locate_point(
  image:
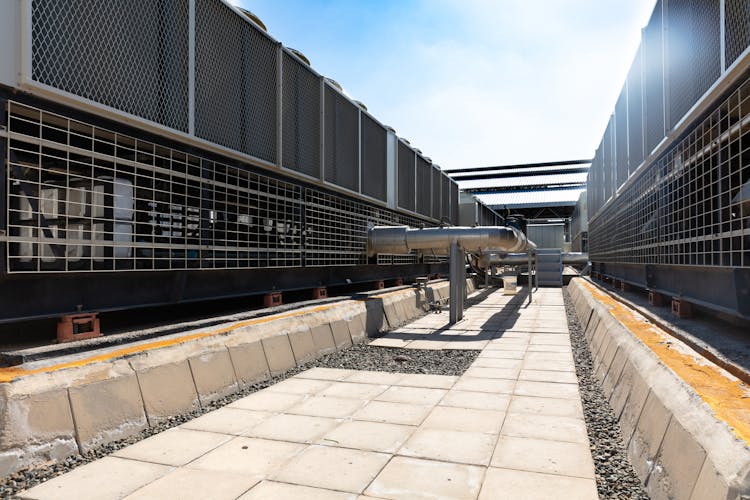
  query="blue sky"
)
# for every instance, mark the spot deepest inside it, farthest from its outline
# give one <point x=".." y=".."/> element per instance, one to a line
<point x="473" y="82"/>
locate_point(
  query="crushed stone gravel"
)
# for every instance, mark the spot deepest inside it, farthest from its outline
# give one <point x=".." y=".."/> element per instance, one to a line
<point x="615" y="476"/>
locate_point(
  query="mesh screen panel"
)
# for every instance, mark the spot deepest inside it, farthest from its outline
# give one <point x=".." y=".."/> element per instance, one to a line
<point x="93" y="199"/>
<point x="341" y="141"/>
<point x="454" y="204"/>
<point x="424" y="187"/>
<point x="653" y="79"/>
<point x="374" y="175"/>
<point x="686" y="208"/>
<point x="436" y="193"/>
<point x="406" y="178"/>
<point x="608" y="161"/>
<point x="693" y="52"/>
<point x="129" y="55"/>
<point x="445" y="195"/>
<point x="635" y="115"/>
<point x="621" y="138"/>
<point x="737" y="28"/>
<point x="235" y="82"/>
<point x="301" y="117"/>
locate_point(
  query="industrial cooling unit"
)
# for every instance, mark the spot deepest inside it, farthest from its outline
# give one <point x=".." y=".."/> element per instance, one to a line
<point x="669" y="187"/>
<point x="155" y="152"/>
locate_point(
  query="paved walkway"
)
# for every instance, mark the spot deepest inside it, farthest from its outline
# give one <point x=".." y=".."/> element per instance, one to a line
<point x="510" y="427"/>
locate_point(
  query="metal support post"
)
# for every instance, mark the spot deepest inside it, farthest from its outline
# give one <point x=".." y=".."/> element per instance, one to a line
<point x="457" y="282"/>
<point x="530" y="282"/>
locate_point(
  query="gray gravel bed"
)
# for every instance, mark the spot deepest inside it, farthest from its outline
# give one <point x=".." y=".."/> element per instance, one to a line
<point x="615" y="477"/>
<point x="357" y="357"/>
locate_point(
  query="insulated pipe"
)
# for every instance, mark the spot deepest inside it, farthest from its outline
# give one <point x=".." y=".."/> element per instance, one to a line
<point x="515" y="259"/>
<point x="475" y="240"/>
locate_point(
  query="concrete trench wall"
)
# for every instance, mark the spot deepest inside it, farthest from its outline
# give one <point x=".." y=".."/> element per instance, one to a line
<point x="49" y="415"/>
<point x="677" y="446"/>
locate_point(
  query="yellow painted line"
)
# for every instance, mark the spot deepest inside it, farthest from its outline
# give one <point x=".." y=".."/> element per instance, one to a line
<point x="726" y="395"/>
<point x="12" y="373"/>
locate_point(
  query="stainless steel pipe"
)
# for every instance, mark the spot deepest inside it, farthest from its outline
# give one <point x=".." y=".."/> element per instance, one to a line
<point x="475" y="240"/>
<point x="516" y="259"/>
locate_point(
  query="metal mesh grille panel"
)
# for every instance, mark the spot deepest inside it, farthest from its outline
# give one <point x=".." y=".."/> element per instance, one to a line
<point x="131" y="56"/>
<point x="91" y="199"/>
<point x="436" y="192"/>
<point x="653" y="79"/>
<point x="454" y="204"/>
<point x="424" y="187"/>
<point x="687" y="208"/>
<point x="300" y="118"/>
<point x="635" y="115"/>
<point x="341" y="141"/>
<point x="406" y="178"/>
<point x="693" y="52"/>
<point x="235" y="82"/>
<point x="374" y="175"/>
<point x="608" y="161"/>
<point x="737" y="28"/>
<point x="621" y="138"/>
<point x="445" y="194"/>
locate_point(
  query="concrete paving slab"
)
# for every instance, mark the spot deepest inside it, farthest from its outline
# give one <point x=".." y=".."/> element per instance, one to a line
<point x="410" y="478"/>
<point x="294" y="428"/>
<point x="333" y="468"/>
<point x="296" y="385"/>
<point x="413" y="395"/>
<point x="546" y="389"/>
<point x="492" y="385"/>
<point x="396" y="413"/>
<point x="272" y="490"/>
<point x="464" y="419"/>
<point x="548" y="376"/>
<point x="331" y="407"/>
<point x="546" y="406"/>
<point x="369" y="436"/>
<point x="538" y="455"/>
<point x="173" y="447"/>
<point x="485" y="362"/>
<point x="501" y="373"/>
<point x="190" y="484"/>
<point x="227" y="421"/>
<point x="427" y="381"/>
<point x="553" y="428"/>
<point x="473" y="448"/>
<point x="252" y="457"/>
<point x="109" y="477"/>
<point x="374" y="377"/>
<point x="476" y="400"/>
<point x="353" y="390"/>
<point x="507" y="483"/>
<point x="268" y="401"/>
<point x="325" y="374"/>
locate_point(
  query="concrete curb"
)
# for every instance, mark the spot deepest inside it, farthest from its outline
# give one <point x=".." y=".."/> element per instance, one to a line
<point x="676" y="444"/>
<point x="50" y="415"/>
